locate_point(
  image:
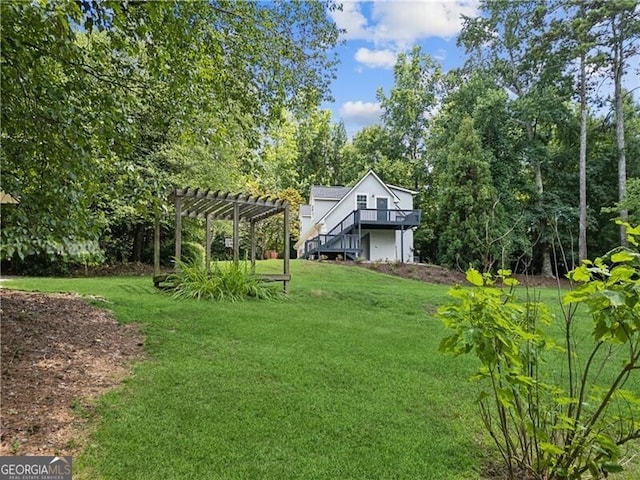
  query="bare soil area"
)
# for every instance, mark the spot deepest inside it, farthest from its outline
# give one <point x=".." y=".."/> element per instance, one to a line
<point x="58" y="354"/>
<point x="443" y="276"/>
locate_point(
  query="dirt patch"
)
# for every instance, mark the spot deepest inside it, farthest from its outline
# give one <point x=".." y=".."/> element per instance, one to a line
<point x="443" y="276"/>
<point x="416" y="271"/>
<point x="58" y="355"/>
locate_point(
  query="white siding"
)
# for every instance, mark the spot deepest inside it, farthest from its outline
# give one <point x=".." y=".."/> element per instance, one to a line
<point x="408" y="245"/>
<point x="383" y="246"/>
<point x="406" y="199"/>
<point x="369" y="186"/>
<point x="321" y="207"/>
<point x="305" y="224"/>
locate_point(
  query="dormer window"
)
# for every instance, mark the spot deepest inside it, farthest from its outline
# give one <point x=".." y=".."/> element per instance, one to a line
<point x="361" y="201"/>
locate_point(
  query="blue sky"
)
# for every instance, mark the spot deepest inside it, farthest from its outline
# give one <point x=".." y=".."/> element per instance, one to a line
<point x="376" y="32"/>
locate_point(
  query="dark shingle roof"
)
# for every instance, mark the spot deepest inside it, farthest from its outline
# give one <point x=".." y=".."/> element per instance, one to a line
<point x="331" y="193"/>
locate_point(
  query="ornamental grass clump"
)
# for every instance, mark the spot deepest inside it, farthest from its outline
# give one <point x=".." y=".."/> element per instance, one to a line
<point x="233" y="281"/>
<point x="556" y="406"/>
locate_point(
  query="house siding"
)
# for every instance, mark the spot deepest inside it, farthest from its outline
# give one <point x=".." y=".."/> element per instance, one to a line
<point x="408" y="253"/>
<point x="369" y="186"/>
<point x="305" y="223"/>
<point x="320" y="208"/>
<point x="406" y="199"/>
<point x="382" y="247"/>
<point x="376" y="244"/>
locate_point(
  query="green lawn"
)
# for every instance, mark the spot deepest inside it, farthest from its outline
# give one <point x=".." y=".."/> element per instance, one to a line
<point x="342" y="380"/>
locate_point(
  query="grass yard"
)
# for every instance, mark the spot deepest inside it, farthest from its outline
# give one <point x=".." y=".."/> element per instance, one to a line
<point x="342" y="380"/>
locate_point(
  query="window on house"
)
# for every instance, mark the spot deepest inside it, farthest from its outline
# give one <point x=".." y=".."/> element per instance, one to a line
<point x="361" y="201"/>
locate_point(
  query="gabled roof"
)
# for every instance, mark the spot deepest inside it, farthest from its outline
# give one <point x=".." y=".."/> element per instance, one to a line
<point x="328" y="193"/>
<point x="395" y="187"/>
<point x="349" y="190"/>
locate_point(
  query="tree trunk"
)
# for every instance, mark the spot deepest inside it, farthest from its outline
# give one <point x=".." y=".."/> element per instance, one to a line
<point x="138" y="242"/>
<point x="547" y="270"/>
<point x="618" y="70"/>
<point x="582" y="238"/>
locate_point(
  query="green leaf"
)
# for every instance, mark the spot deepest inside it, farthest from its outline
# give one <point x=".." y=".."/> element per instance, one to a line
<point x="616" y="299"/>
<point x="612" y="467"/>
<point x="474" y="277"/>
<point x="550" y="448"/>
<point x="580" y="274"/>
<point x="511" y="282"/>
<point x="623" y="256"/>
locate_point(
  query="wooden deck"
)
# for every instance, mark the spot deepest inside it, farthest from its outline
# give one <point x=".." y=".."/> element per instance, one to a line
<point x="344" y="238"/>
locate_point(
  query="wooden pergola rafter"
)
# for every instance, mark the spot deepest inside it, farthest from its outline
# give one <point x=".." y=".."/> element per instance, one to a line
<point x="219" y="205"/>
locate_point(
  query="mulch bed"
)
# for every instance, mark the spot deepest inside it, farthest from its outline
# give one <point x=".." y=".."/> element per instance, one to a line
<point x="58" y="355"/>
<point x="443" y="276"/>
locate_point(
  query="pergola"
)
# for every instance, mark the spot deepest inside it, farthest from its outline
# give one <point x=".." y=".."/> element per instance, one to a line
<point x="209" y="205"/>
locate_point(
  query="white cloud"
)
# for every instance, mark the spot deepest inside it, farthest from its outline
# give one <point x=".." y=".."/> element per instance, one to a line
<point x="376" y="58"/>
<point x="360" y="113"/>
<point x="403" y="22"/>
<point x="394" y="26"/>
<point x="406" y="22"/>
<point x="351" y="19"/>
<point x="440" y="55"/>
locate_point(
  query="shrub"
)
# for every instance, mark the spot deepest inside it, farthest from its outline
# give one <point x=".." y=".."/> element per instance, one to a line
<point x="193" y="253"/>
<point x="545" y="425"/>
<point x="221" y="281"/>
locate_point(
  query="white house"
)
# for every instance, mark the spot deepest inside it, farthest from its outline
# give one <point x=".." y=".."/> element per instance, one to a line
<point x="371" y="220"/>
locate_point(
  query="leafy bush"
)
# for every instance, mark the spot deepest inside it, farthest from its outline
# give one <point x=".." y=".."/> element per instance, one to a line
<point x="548" y="425"/>
<point x="221" y="281"/>
<point x="193" y="253"/>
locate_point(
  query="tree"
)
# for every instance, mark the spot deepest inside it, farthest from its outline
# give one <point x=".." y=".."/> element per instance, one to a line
<point x="372" y="148"/>
<point x="623" y="29"/>
<point x="468" y="208"/>
<point x="506" y="43"/>
<point x="407" y="109"/>
<point x="89" y="85"/>
<point x="477" y="96"/>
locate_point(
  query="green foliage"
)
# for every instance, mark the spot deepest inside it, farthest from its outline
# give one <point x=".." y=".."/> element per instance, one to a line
<point x="631" y="202"/>
<point x="470" y="212"/>
<point x="549" y="425"/>
<point x="193" y="253"/>
<point x="233" y="281"/>
<point x="372" y="148"/>
<point x="107" y="105"/>
<point x="407" y="110"/>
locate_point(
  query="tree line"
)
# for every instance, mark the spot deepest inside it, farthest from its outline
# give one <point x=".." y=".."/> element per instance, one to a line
<point x="521" y="158"/>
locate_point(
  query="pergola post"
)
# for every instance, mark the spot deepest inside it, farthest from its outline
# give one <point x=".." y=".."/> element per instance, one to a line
<point x="287" y="249"/>
<point x="236" y="232"/>
<point x="207" y="242"/>
<point x="253" y="246"/>
<point x="178" y="252"/>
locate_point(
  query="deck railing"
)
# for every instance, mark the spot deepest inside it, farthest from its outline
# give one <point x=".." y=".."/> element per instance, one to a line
<point x="339" y="242"/>
<point x="408" y="218"/>
<point x="339" y="238"/>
